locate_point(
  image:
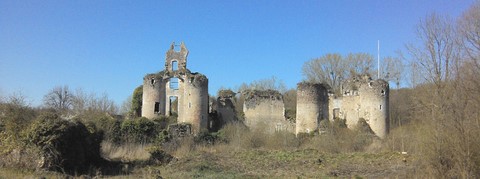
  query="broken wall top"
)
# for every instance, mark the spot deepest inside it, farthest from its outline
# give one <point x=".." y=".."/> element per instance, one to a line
<point x="310" y="85"/>
<point x="179" y="56"/>
<point x="254" y="98"/>
<point x="262" y="94"/>
<point x="364" y="83"/>
<point x="226" y="93"/>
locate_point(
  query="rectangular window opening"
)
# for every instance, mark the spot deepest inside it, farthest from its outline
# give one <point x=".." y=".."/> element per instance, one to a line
<point x="173" y="105"/>
<point x="380" y="107"/>
<point x="157" y="107"/>
<point x="174" y="65"/>
<point x="174" y="83"/>
<point x="336" y="113"/>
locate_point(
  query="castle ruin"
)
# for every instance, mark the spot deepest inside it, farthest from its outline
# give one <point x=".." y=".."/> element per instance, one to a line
<point x="361" y="98"/>
<point x="177" y="91"/>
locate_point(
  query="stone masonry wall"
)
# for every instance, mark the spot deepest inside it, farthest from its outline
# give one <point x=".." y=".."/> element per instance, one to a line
<point x="225" y="106"/>
<point x="312" y="100"/>
<point x="265" y="111"/>
<point x="195" y="102"/>
<point x="364" y="98"/>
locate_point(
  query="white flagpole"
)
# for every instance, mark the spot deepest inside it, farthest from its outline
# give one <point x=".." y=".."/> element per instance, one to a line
<point x="378" y="59"/>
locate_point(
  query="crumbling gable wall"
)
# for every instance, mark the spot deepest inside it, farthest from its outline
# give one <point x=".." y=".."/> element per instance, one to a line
<point x="312" y="106"/>
<point x="265" y="110"/>
<point x="364" y="98"/>
<point x="177" y="82"/>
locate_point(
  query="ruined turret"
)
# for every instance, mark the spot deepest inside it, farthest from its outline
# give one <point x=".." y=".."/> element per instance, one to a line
<point x="312" y="100"/>
<point x="363" y="98"/>
<point x="177" y="91"/>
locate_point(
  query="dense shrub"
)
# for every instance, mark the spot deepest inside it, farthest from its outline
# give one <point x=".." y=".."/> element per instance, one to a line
<point x="139" y="130"/>
<point x="164" y="121"/>
<point x="64" y="145"/>
<point x="136" y="110"/>
<point x="14" y="118"/>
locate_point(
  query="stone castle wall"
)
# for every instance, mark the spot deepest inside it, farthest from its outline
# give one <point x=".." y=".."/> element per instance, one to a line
<point x="312" y="100"/>
<point x="265" y="111"/>
<point x="364" y="98"/>
<point x="225" y="106"/>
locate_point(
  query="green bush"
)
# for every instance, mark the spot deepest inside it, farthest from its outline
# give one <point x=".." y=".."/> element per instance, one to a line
<point x="140" y="130"/>
<point x="137" y="101"/>
<point x="164" y="121"/>
<point x="65" y="146"/>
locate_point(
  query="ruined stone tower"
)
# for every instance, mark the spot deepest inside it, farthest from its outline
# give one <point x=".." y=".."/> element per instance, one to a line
<point x="265" y="111"/>
<point x="363" y="98"/>
<point x="312" y="106"/>
<point x="225" y="106"/>
<point x="177" y="91"/>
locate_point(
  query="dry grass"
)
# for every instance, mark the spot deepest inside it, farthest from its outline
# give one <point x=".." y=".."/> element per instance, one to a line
<point x="127" y="152"/>
<point x="220" y="162"/>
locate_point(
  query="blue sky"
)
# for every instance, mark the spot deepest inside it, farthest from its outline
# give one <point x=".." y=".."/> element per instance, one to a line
<point x="108" y="46"/>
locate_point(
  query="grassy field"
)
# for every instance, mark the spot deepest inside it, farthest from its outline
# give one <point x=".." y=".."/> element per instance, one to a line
<point x="222" y="161"/>
<point x="305" y="163"/>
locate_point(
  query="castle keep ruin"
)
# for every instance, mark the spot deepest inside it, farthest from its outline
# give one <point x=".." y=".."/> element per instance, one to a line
<point x="361" y="98"/>
<point x="177" y="91"/>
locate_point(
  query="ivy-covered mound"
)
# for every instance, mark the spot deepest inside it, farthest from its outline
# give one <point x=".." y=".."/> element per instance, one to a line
<point x="66" y="146"/>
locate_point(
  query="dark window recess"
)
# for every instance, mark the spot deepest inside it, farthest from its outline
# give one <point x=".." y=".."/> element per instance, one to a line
<point x="157" y="107"/>
<point x="152" y="81"/>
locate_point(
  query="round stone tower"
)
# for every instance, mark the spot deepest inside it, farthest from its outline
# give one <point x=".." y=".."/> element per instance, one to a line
<point x="374" y="97"/>
<point x="195" y="102"/>
<point x="312" y="104"/>
<point x="153" y="96"/>
<point x="364" y="98"/>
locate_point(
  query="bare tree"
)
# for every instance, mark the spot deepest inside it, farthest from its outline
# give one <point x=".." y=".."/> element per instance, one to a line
<point x="437" y="50"/>
<point x="392" y="70"/>
<point x="126" y="105"/>
<point x="469" y="30"/>
<point x="359" y="63"/>
<point x="84" y="103"/>
<point x="59" y="98"/>
<point x="330" y="69"/>
<point x="272" y="83"/>
<point x="469" y="41"/>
